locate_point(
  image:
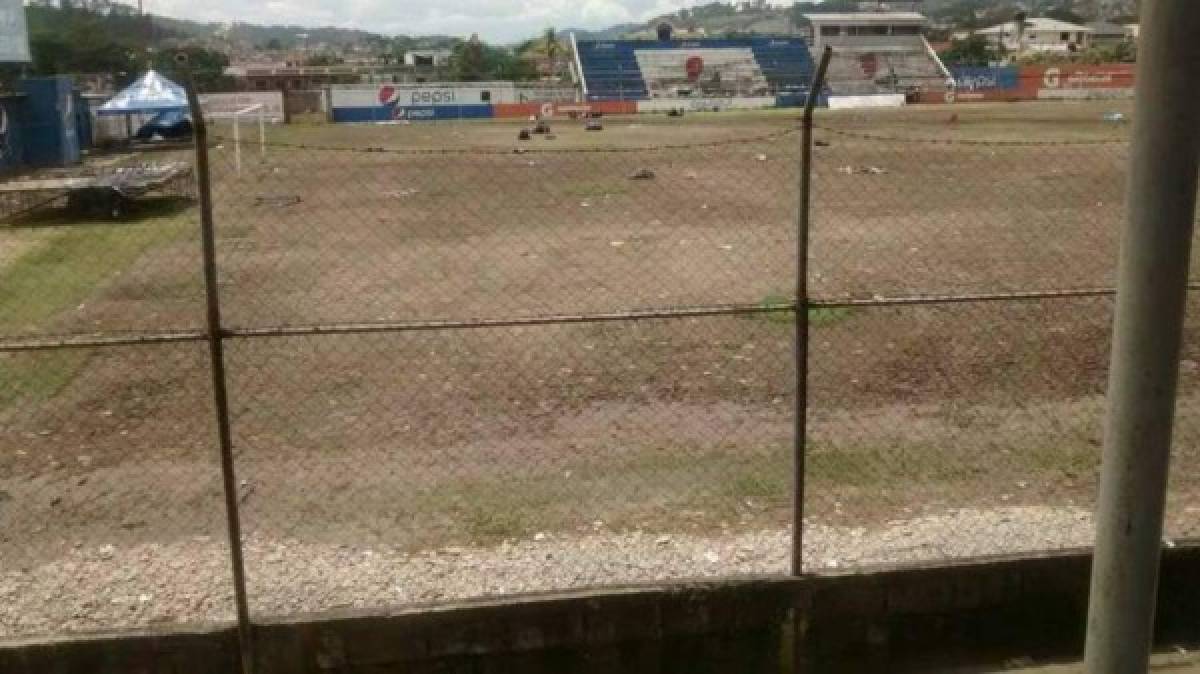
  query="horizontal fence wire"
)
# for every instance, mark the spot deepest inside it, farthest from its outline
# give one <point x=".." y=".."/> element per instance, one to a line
<point x="85" y="341"/>
<point x="969" y="142"/>
<point x="90" y="341"/>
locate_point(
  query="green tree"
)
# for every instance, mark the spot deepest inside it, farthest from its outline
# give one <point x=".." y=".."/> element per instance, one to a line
<point x="1064" y="14"/>
<point x="274" y="44"/>
<point x="973" y="51"/>
<point x="467" y="63"/>
<point x="206" y="67"/>
<point x="324" y="58"/>
<point x="550" y="44"/>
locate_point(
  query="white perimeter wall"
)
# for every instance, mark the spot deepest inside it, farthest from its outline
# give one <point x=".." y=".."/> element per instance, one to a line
<point x="877" y="101"/>
<point x="697" y="104"/>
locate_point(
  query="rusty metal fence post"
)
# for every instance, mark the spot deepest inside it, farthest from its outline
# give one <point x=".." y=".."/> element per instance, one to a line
<point x="801" y="315"/>
<point x="215" y="336"/>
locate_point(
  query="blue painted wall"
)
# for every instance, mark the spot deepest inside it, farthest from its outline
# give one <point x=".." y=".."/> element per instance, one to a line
<point x="50" y="124"/>
<point x="12" y="146"/>
<point x="985" y="79"/>
<point x="381" y="113"/>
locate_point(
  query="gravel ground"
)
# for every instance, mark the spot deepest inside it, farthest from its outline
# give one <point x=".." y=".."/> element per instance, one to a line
<point x="187" y="582"/>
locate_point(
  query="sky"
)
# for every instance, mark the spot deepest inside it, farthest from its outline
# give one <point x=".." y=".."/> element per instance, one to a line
<point x="501" y="21"/>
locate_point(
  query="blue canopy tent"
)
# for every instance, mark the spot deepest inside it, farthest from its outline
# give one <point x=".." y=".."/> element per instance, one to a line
<point x="151" y="94"/>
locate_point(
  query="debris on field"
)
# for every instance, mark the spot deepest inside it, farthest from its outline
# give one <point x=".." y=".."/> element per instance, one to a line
<point x="1114" y="117"/>
<point x="761" y="157"/>
<point x="398" y="194"/>
<point x="821" y="143"/>
<point x="861" y="170"/>
<point x="524" y="134"/>
<point x="616" y="244"/>
<point x="642" y="174"/>
<point x="277" y="200"/>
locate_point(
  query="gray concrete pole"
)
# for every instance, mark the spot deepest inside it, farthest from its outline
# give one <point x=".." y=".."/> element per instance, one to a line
<point x="1153" y="274"/>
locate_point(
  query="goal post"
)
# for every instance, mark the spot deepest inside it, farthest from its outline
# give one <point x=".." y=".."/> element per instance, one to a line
<point x="251" y="112"/>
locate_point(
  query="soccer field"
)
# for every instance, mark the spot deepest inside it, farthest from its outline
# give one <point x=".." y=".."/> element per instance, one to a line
<point x="450" y="346"/>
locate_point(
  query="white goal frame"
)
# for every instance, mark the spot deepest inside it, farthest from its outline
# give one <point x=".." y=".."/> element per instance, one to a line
<point x="259" y="110"/>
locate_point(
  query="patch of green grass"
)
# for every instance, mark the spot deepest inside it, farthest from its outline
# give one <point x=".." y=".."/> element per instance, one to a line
<point x="71" y="265"/>
<point x="816" y="316"/>
<point x="594" y="188"/>
<point x="679" y="487"/>
<point x="29" y="379"/>
<point x="485" y="523"/>
<point x="56" y="275"/>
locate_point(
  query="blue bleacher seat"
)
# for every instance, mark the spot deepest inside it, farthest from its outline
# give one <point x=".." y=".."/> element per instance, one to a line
<point x="611" y="70"/>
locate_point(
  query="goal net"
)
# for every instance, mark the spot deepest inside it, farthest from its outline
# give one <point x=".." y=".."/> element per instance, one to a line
<point x="248" y="115"/>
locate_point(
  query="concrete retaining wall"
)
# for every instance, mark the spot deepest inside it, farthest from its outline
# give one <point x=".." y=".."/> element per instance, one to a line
<point x="873" y="620"/>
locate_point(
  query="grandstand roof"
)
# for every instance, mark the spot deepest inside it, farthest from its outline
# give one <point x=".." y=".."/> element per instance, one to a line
<point x="1038" y="25"/>
<point x="865" y="17"/>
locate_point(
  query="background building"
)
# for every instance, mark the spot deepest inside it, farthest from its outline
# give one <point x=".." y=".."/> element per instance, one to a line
<point x="850" y="29"/>
<point x="1037" y="35"/>
<point x="428" y="57"/>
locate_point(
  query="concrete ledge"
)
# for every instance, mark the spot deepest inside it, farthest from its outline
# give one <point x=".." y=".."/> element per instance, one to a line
<point x="210" y="648"/>
<point x="883" y="619"/>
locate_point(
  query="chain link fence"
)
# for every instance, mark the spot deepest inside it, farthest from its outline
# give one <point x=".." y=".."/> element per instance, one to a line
<point x="463" y="364"/>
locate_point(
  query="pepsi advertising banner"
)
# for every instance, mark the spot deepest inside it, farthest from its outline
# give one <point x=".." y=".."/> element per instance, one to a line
<point x="390" y="103"/>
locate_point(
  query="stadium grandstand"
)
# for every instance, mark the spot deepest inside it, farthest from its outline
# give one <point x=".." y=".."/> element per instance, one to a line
<point x="635" y="70"/>
<point x="878" y="52"/>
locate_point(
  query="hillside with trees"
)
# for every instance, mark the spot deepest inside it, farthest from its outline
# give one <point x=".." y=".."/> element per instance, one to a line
<point x="757" y="17"/>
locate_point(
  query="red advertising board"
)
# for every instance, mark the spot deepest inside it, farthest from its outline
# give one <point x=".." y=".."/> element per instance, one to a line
<point x="1078" y="76"/>
<point x="564" y="109"/>
<point x="976" y="96"/>
<point x="1047" y="82"/>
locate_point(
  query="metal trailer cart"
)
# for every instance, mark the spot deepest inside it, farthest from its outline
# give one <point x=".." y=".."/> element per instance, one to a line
<point x="109" y="192"/>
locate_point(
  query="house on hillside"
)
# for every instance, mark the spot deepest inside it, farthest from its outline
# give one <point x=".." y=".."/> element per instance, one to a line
<point x="1037" y="35"/>
<point x="1104" y="33"/>
<point x="434" y="58"/>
